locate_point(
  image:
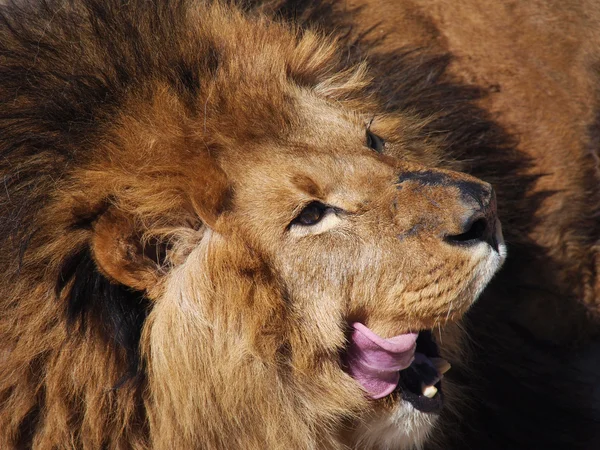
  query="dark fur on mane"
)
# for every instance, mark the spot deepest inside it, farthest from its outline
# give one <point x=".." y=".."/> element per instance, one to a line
<point x="56" y="101"/>
<point x="115" y="311"/>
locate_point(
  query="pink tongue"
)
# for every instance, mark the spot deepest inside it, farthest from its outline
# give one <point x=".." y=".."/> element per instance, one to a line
<point x="375" y="362"/>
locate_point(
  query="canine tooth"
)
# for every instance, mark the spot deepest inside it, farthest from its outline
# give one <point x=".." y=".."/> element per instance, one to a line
<point x="441" y="365"/>
<point x="429" y="391"/>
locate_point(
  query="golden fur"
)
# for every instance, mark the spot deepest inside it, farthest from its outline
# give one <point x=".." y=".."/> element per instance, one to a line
<point x="156" y="290"/>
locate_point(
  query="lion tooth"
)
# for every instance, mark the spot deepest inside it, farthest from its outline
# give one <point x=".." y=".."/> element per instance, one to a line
<point x="441" y="365"/>
<point x="428" y="391"/>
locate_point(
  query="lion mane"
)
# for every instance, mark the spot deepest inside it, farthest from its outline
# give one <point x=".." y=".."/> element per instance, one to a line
<point x="139" y="308"/>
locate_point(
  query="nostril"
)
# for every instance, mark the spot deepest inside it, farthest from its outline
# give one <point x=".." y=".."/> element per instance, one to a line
<point x="476" y="231"/>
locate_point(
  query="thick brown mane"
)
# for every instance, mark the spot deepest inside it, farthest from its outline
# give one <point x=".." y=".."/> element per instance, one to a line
<point x="109" y="109"/>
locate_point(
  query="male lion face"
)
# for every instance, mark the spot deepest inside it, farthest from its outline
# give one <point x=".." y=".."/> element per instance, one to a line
<point x="353" y="235"/>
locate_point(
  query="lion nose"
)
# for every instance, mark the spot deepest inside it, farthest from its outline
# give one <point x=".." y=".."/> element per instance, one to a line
<point x="464" y="207"/>
<point x="480" y="219"/>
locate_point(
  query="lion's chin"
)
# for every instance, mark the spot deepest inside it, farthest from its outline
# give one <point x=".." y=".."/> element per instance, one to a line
<point x="401" y="428"/>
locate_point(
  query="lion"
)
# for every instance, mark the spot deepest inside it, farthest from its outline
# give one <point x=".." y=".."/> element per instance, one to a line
<point x="250" y="225"/>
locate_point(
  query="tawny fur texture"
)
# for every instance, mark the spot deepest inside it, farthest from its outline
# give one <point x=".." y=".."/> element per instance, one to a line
<point x="156" y="290"/>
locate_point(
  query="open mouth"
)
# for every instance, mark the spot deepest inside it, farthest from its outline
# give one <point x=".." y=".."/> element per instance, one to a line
<point x="421" y="383"/>
<point x="408" y="364"/>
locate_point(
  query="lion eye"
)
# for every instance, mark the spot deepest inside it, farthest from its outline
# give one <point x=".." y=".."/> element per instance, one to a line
<point x="375" y="142"/>
<point x="311" y="215"/>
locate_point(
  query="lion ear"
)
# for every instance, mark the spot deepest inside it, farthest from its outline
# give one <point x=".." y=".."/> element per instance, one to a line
<point x="122" y="255"/>
<point x="120" y="248"/>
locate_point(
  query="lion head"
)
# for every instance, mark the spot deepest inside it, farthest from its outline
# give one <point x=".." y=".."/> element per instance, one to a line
<point x="225" y="239"/>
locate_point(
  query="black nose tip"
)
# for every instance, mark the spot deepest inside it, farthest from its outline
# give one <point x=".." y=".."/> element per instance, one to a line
<point x="480" y="225"/>
<point x="476" y="231"/>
